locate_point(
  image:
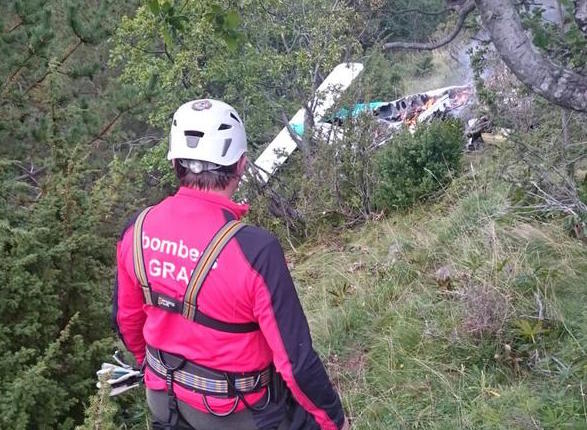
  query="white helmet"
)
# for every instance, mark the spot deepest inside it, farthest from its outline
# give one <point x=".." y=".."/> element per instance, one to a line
<point x="207" y="130"/>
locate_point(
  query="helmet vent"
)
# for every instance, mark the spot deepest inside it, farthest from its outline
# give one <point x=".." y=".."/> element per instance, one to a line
<point x="224" y="127"/>
<point x="234" y="117"/>
<point x="174" y="122"/>
<point x="194" y="133"/>
<point x="192" y="137"/>
<point x="227" y="143"/>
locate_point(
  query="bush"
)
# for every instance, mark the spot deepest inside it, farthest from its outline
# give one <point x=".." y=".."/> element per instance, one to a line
<point x="328" y="186"/>
<point x="415" y="165"/>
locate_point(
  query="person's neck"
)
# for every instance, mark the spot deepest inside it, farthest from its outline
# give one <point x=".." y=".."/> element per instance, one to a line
<point x="227" y="192"/>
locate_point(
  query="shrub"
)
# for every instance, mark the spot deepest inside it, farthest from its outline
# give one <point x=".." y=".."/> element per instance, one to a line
<point x="583" y="190"/>
<point x="413" y="166"/>
<point x="328" y="186"/>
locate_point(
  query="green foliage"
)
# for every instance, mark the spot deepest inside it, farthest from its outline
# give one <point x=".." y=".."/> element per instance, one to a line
<point x="545" y="162"/>
<point x="253" y="57"/>
<point x="101" y="412"/>
<point x="381" y="79"/>
<point x="327" y="186"/>
<point x="400" y="20"/>
<point x="55" y="267"/>
<point x="424" y="66"/>
<point x="226" y="23"/>
<point x="563" y="43"/>
<point x="583" y="189"/>
<point x="70" y="175"/>
<point x="416" y="165"/>
<point x="63" y="202"/>
<point x="77" y="158"/>
<point x="529" y="330"/>
<point x="486" y="96"/>
<point x="407" y="353"/>
<point x="544" y="156"/>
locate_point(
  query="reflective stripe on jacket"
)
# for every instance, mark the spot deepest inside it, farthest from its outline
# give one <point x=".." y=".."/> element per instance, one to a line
<point x="250" y="283"/>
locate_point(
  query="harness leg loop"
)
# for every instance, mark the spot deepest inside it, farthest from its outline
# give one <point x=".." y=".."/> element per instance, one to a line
<point x="171" y="397"/>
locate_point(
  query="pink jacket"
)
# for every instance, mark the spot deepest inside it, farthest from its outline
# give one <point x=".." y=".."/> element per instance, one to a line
<point x="249" y="283"/>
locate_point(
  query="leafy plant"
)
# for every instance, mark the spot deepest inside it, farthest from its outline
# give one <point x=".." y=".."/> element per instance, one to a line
<point x="413" y="166"/>
<point x="529" y="331"/>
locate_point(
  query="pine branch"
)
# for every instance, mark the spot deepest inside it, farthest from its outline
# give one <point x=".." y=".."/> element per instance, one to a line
<point x="106" y="129"/>
<point x="14" y="27"/>
<point x="67" y="54"/>
<point x="15" y="75"/>
<point x="464" y="11"/>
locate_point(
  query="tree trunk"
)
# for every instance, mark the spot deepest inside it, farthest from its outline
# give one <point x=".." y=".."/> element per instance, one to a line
<point x="555" y="83"/>
<point x="581" y="15"/>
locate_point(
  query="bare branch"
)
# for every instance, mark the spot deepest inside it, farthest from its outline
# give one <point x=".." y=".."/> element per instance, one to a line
<point x="421" y="12"/>
<point x="29" y="173"/>
<point x="539" y="305"/>
<point x="267" y="11"/>
<point x="142" y="141"/>
<point x="292" y="133"/>
<point x="569" y="205"/>
<point x="288" y="48"/>
<point x="464" y="11"/>
<point x="14" y="75"/>
<point x="108" y="126"/>
<point x="14" y="27"/>
<point x="168" y="54"/>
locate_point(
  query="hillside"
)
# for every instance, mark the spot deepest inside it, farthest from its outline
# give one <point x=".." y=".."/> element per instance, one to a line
<point x="445" y="289"/>
<point x="498" y="342"/>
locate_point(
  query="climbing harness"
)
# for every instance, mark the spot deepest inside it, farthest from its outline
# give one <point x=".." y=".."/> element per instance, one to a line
<point x="189" y="307"/>
<point x="208" y="382"/>
<point x="174" y="368"/>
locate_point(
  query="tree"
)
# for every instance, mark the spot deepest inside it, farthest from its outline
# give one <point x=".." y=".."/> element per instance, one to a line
<point x="265" y="58"/>
<point x="58" y="207"/>
<point x="558" y="84"/>
<point x="581" y="15"/>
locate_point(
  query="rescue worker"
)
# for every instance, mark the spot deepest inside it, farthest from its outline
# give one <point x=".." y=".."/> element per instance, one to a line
<point x="207" y="303"/>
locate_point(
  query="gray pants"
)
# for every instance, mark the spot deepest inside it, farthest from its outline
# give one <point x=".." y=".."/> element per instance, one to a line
<point x="242" y="420"/>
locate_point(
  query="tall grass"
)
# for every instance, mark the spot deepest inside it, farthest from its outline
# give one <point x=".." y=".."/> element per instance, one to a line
<point x="500" y="346"/>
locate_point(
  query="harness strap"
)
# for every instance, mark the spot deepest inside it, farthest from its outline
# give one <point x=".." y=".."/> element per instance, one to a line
<point x="204" y="380"/>
<point x="205" y="264"/>
<point x="205" y="320"/>
<point x="188" y="308"/>
<point x="171" y="397"/>
<point x="139" y="258"/>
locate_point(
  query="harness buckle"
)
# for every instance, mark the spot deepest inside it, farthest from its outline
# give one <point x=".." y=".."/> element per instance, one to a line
<point x="169" y="380"/>
<point x="230" y="383"/>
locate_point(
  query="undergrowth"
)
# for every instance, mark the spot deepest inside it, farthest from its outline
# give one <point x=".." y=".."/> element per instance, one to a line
<point x="497" y="342"/>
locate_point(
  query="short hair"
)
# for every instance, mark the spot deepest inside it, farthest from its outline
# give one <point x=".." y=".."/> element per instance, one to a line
<point x="209" y="180"/>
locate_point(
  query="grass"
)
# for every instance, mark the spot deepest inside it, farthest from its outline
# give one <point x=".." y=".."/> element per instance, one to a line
<point x="408" y="352"/>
